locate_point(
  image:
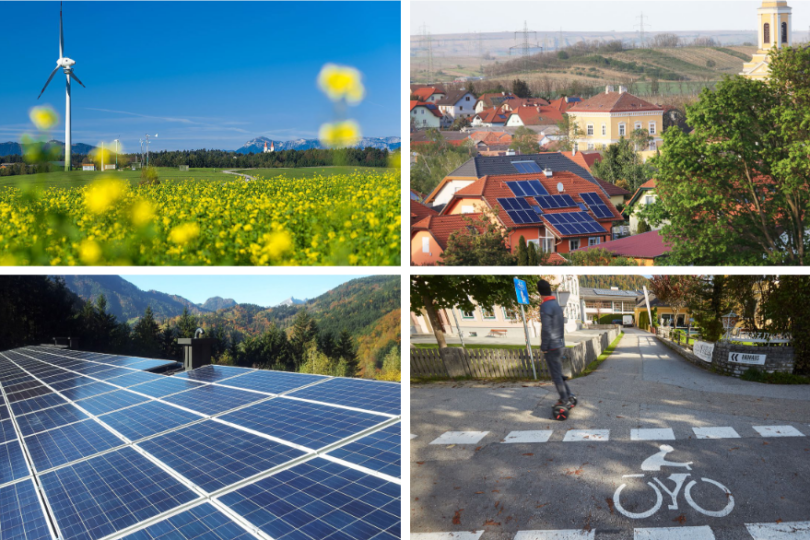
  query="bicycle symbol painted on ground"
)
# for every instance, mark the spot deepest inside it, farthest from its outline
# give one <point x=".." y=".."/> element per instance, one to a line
<point x="654" y="463"/>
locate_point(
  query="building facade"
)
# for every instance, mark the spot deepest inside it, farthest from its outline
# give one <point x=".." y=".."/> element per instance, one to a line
<point x="774" y="31"/>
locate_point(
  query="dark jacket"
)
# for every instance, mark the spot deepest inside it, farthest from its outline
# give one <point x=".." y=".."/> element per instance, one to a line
<point x="552" y="326"/>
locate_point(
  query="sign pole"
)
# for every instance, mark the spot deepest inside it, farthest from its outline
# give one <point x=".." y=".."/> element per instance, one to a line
<point x="460" y="336"/>
<point x="649" y="313"/>
<point x="528" y="342"/>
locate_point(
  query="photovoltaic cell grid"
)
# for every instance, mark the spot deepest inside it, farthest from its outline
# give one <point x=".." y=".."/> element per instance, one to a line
<point x="164" y="387"/>
<point x="111" y="401"/>
<point x="273" y="382"/>
<point x="202" y="522"/>
<point x="12" y="465"/>
<point x="526" y="167"/>
<point x="7" y="432"/>
<point x="382" y="397"/>
<point x="212" y="373"/>
<point x="21" y="513"/>
<point x="69" y="443"/>
<point x="147" y="419"/>
<point x="550" y="202"/>
<point x="574" y="223"/>
<point x="212" y="399"/>
<point x="379" y="451"/>
<point x="320" y="500"/>
<point x="519" y="210"/>
<point x="110" y="492"/>
<point x="213" y="455"/>
<point x="527" y="188"/>
<point x="597" y="205"/>
<point x="49" y="419"/>
<point x="307" y="424"/>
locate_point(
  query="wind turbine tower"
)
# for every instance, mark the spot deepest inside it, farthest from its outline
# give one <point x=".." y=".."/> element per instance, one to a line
<point x="66" y="64"/>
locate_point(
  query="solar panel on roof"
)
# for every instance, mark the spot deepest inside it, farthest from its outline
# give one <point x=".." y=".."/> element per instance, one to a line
<point x="203" y="522"/>
<point x="135" y="377"/>
<point x="111" y="401"/>
<point x="28" y="393"/>
<point x="88" y="390"/>
<point x="274" y="382"/>
<point x="152" y="364"/>
<point x="37" y="403"/>
<point x="12" y="463"/>
<point x="526" y="188"/>
<point x="213" y="455"/>
<point x="7" y="432"/>
<point x="518" y="210"/>
<point x="597" y="205"/>
<point x="307" y="424"/>
<point x="320" y="499"/>
<point x="49" y="419"/>
<point x="23" y="517"/>
<point x="83" y="494"/>
<point x="364" y="394"/>
<point x="526" y="167"/>
<point x="550" y="202"/>
<point x="379" y="451"/>
<point x="148" y="419"/>
<point x="165" y="387"/>
<point x="212" y="399"/>
<point x="574" y="223"/>
<point x="211" y="373"/>
<point x="69" y="443"/>
<point x="71" y="383"/>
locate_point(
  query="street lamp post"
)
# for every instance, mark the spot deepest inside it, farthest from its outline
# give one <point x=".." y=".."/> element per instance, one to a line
<point x="729" y="321"/>
<point x="147" y="148"/>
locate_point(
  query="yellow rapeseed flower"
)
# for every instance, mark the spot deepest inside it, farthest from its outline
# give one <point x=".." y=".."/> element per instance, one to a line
<point x="142" y="213"/>
<point x="341" y="82"/>
<point x="103" y="193"/>
<point x="184" y="233"/>
<point x="89" y="252"/>
<point x="340" y="134"/>
<point x="44" y="118"/>
<point x="277" y="244"/>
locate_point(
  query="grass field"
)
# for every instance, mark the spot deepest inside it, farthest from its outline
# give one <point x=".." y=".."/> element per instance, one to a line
<point x="82" y="178"/>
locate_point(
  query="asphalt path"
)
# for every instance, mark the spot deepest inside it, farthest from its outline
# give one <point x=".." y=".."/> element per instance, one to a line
<point x="745" y="470"/>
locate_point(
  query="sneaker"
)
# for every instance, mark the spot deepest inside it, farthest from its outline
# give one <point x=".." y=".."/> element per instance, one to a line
<point x="572" y="402"/>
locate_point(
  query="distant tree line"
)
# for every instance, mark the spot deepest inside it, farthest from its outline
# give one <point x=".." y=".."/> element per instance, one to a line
<point x="313" y="157"/>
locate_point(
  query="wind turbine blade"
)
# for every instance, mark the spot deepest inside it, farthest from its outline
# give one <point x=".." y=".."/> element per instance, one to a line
<point x="61" y="35"/>
<point x="73" y="76"/>
<point x="49" y="81"/>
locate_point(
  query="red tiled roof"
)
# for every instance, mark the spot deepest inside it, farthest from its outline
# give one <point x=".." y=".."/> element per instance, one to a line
<point x="491" y="188"/>
<point x="562" y="105"/>
<point x="526" y="102"/>
<point x="429" y="106"/>
<point x="649" y="184"/>
<point x="441" y="227"/>
<point x="556" y="259"/>
<point x="614" y="102"/>
<point x="419" y="211"/>
<point x="492" y="98"/>
<point x="491" y="137"/>
<point x="538" y="116"/>
<point x="493" y="114"/>
<point x="426" y="92"/>
<point x="648" y="245"/>
<point x="583" y="159"/>
<point x="612" y="189"/>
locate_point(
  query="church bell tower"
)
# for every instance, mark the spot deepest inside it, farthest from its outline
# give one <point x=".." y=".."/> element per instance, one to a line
<point x="774" y="31"/>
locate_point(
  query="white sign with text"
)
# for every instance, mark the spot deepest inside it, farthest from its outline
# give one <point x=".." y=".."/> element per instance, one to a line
<point x="745" y="358"/>
<point x="704" y="350"/>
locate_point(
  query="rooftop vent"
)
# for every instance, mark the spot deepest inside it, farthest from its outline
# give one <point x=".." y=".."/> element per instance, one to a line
<point x="622" y="89"/>
<point x="548" y="172"/>
<point x="196" y="350"/>
<point x="510" y="153"/>
<point x="609" y="89"/>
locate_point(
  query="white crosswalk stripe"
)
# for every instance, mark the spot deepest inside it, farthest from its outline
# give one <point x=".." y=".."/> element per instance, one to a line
<point x="538" y="436"/>
<point x="467" y="535"/>
<point x="778" y="431"/>
<point x="460" y="437"/>
<point x="652" y="434"/>
<point x="587" y="435"/>
<point x="715" y="433"/>
<point x="787" y="530"/>
<point x="674" y="533"/>
<point x="569" y="534"/>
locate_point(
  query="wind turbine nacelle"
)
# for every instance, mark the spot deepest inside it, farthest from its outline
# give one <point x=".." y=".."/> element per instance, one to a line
<point x="66" y="63"/>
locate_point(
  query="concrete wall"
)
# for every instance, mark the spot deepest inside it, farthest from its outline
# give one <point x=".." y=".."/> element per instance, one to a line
<point x="777" y="359"/>
<point x="577" y="358"/>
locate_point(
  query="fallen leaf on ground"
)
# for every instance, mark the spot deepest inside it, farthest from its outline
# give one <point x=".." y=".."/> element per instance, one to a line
<point x="609" y="501"/>
<point x="528" y="454"/>
<point x="457" y="517"/>
<point x="680" y="519"/>
<point x="490" y="522"/>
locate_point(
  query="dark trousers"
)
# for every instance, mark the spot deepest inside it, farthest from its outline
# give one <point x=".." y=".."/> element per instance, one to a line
<point x="554" y="361"/>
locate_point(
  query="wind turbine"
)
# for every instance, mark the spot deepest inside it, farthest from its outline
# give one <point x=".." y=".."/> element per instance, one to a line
<point x="67" y="66"/>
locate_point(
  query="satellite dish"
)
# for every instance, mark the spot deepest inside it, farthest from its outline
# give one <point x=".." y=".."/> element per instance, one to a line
<point x="560" y="187"/>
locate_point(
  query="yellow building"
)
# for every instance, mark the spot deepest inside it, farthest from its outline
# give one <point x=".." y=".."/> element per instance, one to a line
<point x="774" y="32"/>
<point x="607" y="118"/>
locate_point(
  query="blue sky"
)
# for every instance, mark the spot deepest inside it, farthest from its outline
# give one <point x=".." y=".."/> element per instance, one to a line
<point x="261" y="290"/>
<point x="199" y="74"/>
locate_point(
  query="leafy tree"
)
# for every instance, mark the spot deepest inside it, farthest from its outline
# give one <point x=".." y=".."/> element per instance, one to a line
<point x="677" y="292"/>
<point x="524" y="140"/>
<point x="522" y="254"/>
<point x="654" y="86"/>
<point x="708" y="303"/>
<point x="346" y="351"/>
<point x="643" y="227"/>
<point x="187" y="324"/>
<point x="570" y="133"/>
<point x="392" y="366"/>
<point x="621" y="163"/>
<point x="304" y="331"/>
<point x="436" y="160"/>
<point x="596" y="257"/>
<point x="460" y="123"/>
<point x="481" y="243"/>
<point x="315" y="362"/>
<point x="533" y="260"/>
<point x="737" y="190"/>
<point x="270" y="350"/>
<point x="521" y="88"/>
<point x="146" y="335"/>
<point x="785" y="306"/>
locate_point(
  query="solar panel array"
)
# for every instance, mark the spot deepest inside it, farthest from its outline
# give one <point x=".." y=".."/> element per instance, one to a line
<point x="93" y="446"/>
<point x="549" y="202"/>
<point x="527" y="188"/>
<point x="597" y="205"/>
<point x="574" y="223"/>
<point x="526" y="167"/>
<point x="520" y="211"/>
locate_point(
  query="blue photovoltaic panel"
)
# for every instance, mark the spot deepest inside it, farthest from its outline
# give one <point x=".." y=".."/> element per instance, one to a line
<point x="15" y="379"/>
<point x="151" y="364"/>
<point x="4" y="414"/>
<point x="550" y="202"/>
<point x="526" y="167"/>
<point x="147" y="419"/>
<point x="23" y="518"/>
<point x="49" y="419"/>
<point x="12" y="464"/>
<point x="88" y="368"/>
<point x="165" y="386"/>
<point x="95" y="498"/>
<point x="363" y="394"/>
<point x="597" y="205"/>
<point x="527" y="188"/>
<point x="319" y="499"/>
<point x="212" y="373"/>
<point x="113" y="372"/>
<point x="125" y="361"/>
<point x="213" y="455"/>
<point x="202" y="522"/>
<point x="29" y="393"/>
<point x="306" y="424"/>
<point x="88" y="390"/>
<point x="59" y="446"/>
<point x="37" y="403"/>
<point x="574" y="223"/>
<point x="19" y="387"/>
<point x="518" y="210"/>
<point x="379" y="451"/>
<point x="111" y="401"/>
<point x="61" y="376"/>
<point x="274" y="382"/>
<point x="212" y="399"/>
<point x="135" y="377"/>
<point x="7" y="432"/>
<point x="75" y="382"/>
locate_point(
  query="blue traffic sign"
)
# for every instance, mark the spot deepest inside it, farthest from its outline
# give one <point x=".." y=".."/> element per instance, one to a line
<point x="522" y="292"/>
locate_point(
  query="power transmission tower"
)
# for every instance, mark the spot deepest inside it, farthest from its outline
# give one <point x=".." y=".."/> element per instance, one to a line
<point x="641" y="25"/>
<point x="427" y="43"/>
<point x="525" y="45"/>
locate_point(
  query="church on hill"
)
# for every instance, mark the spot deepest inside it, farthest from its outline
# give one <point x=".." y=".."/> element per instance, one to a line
<point x="774" y="32"/>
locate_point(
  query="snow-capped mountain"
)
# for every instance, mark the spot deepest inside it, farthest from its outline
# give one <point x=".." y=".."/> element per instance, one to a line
<point x="15" y="149"/>
<point x="256" y="145"/>
<point x="292" y="302"/>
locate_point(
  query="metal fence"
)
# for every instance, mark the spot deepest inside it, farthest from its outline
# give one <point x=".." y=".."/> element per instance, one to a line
<point x="480" y="363"/>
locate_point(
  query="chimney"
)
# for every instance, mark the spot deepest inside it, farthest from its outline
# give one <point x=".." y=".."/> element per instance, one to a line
<point x="510" y="152"/>
<point x="574" y="151"/>
<point x="196" y="350"/>
<point x="622" y="89"/>
<point x="609" y="89"/>
<point x="548" y="172"/>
